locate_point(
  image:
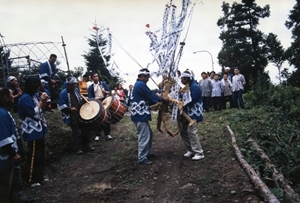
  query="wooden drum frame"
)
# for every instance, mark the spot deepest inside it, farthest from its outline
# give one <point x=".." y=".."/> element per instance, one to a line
<point x="94" y="114"/>
<point x="115" y="108"/>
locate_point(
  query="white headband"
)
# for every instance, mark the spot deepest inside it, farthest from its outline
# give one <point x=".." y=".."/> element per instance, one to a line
<point x="144" y="73"/>
<point x="72" y="80"/>
<point x="186" y="75"/>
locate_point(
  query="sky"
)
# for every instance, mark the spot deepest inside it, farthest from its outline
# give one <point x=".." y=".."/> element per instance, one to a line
<point x="48" y="20"/>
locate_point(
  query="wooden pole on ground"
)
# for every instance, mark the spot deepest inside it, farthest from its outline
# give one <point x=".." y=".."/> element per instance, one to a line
<point x="258" y="183"/>
<point x="277" y="176"/>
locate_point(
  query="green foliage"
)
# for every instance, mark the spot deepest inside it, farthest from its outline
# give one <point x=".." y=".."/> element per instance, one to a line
<point x="243" y="43"/>
<point x="94" y="61"/>
<point x="275" y="53"/>
<point x="274" y="121"/>
<point x="279" y="193"/>
<point x="293" y="52"/>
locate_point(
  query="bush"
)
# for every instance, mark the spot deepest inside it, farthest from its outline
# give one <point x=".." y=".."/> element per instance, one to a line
<point x="274" y="121"/>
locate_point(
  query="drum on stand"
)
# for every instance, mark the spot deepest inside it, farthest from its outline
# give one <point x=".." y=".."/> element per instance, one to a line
<point x="93" y="114"/>
<point x="115" y="108"/>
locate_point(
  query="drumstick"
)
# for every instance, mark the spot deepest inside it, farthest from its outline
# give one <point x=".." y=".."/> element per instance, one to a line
<point x="85" y="99"/>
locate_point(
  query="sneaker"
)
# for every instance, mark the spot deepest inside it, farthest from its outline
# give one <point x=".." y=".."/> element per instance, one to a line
<point x="108" y="137"/>
<point x="145" y="162"/>
<point x="97" y="138"/>
<point x="188" y="154"/>
<point x="35" y="185"/>
<point x="79" y="152"/>
<point x="198" y="157"/>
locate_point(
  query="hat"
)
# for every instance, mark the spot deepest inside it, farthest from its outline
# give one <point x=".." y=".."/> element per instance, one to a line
<point x="71" y="80"/>
<point x="227" y="68"/>
<point x="42" y="81"/>
<point x="144" y="71"/>
<point x="10" y="78"/>
<point x="186" y="74"/>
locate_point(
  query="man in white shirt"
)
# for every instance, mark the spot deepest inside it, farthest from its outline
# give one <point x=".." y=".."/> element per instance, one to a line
<point x="238" y="82"/>
<point x="99" y="90"/>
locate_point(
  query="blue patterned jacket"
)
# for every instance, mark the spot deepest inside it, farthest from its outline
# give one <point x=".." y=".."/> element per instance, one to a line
<point x="194" y="108"/>
<point x="33" y="126"/>
<point x="65" y="102"/>
<point x="7" y="137"/>
<point x="141" y="99"/>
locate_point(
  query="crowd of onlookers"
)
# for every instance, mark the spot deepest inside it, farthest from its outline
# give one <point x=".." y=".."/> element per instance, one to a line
<point x="220" y="89"/>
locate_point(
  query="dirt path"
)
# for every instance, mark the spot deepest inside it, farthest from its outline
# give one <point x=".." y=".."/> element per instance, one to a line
<point x="111" y="173"/>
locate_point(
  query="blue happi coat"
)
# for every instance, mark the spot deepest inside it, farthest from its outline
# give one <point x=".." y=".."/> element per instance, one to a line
<point x="141" y="99"/>
<point x="7" y="137"/>
<point x="65" y="102"/>
<point x="33" y="123"/>
<point x="194" y="108"/>
<point x="47" y="72"/>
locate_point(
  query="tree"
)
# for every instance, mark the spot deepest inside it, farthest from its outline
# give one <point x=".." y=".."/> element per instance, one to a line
<point x="293" y="52"/>
<point x="275" y="53"/>
<point x="243" y="43"/>
<point x="94" y="60"/>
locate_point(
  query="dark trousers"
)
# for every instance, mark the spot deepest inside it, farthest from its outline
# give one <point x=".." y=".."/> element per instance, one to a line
<point x="34" y="165"/>
<point x="6" y="178"/>
<point x="107" y="129"/>
<point x="206" y="101"/>
<point x="217" y="103"/>
<point x="237" y="97"/>
<point x="80" y="136"/>
<point x="226" y="99"/>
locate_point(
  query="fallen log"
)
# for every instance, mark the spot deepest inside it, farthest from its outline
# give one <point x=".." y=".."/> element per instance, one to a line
<point x="278" y="177"/>
<point x="258" y="183"/>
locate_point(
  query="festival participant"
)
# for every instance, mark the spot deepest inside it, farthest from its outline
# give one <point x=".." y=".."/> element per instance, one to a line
<point x="191" y="72"/>
<point x="33" y="130"/>
<point x="238" y="82"/>
<point x="216" y="94"/>
<point x="8" y="145"/>
<point x="83" y="87"/>
<point x="141" y="99"/>
<point x="89" y="82"/>
<point x="70" y="101"/>
<point x="9" y="130"/>
<point x="12" y="84"/>
<point x="99" y="90"/>
<point x="227" y="94"/>
<point x="47" y="72"/>
<point x="50" y="105"/>
<point x="206" y="88"/>
<point x="114" y="92"/>
<point x="194" y="110"/>
<point x="121" y="93"/>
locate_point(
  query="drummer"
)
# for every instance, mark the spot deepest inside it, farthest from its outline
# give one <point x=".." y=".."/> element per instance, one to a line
<point x="70" y="101"/>
<point x="99" y="90"/>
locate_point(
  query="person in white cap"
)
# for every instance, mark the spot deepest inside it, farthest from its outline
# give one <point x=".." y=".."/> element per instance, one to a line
<point x="194" y="110"/>
<point x="230" y="75"/>
<point x="12" y="84"/>
<point x="141" y="99"/>
<point x="70" y="101"/>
